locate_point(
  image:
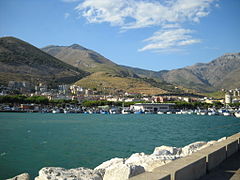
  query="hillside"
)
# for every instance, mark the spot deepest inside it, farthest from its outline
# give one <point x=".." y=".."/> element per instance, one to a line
<point x="105" y="82"/>
<point x="105" y="70"/>
<point x="20" y="61"/>
<point x="86" y="59"/>
<point x="223" y="72"/>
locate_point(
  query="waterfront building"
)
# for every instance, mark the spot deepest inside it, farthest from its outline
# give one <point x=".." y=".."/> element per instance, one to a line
<point x="153" y="107"/>
<point x="228" y="98"/>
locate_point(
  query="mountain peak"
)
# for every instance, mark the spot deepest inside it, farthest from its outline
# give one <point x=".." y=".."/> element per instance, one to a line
<point x="77" y="46"/>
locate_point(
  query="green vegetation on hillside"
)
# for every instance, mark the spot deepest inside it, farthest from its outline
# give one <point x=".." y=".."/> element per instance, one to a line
<point x="216" y="95"/>
<point x="109" y="83"/>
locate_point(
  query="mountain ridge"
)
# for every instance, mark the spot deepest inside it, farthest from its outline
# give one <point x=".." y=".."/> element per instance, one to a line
<point x="206" y="77"/>
<point x="72" y="63"/>
<point x="94" y="63"/>
<point x="86" y="59"/>
<point x="22" y="61"/>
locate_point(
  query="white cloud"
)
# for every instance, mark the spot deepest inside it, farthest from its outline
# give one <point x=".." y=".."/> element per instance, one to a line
<point x="66" y="15"/>
<point x="133" y="14"/>
<point x="170" y="39"/>
<point x="143" y="13"/>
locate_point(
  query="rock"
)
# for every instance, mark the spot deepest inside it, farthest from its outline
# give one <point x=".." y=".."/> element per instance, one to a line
<point x="118" y="169"/>
<point x="57" y="173"/>
<point x="124" y="168"/>
<point x="222" y="139"/>
<point x="148" y="162"/>
<point x="135" y="170"/>
<point x="191" y="148"/>
<point x="167" y="150"/>
<point x="107" y="164"/>
<point x="122" y="171"/>
<point x="24" y="176"/>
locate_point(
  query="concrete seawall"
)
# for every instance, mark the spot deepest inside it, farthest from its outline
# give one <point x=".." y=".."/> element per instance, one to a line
<point x="197" y="164"/>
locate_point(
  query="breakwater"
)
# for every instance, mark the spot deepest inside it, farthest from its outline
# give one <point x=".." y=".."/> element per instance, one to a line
<point x="188" y="162"/>
<point x="196" y="165"/>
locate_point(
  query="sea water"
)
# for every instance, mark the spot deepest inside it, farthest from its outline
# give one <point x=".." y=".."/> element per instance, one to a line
<point x="30" y="141"/>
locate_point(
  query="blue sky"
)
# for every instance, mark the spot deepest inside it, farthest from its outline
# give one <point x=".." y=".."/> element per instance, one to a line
<point x="149" y="34"/>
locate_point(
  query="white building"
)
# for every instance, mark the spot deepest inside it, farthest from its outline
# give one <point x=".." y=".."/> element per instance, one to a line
<point x="76" y="89"/>
<point x="152" y="107"/>
<point x="228" y="98"/>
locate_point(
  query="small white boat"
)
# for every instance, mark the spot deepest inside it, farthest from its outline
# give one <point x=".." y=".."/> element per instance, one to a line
<point x="184" y="112"/>
<point x="203" y="113"/>
<point x="237" y="114"/>
<point x="55" y="111"/>
<point x="227" y="113"/>
<point x="124" y="111"/>
<point x="66" y="111"/>
<point x="160" y="112"/>
<point x="148" y="112"/>
<point x="212" y="113"/>
<point x="169" y="112"/>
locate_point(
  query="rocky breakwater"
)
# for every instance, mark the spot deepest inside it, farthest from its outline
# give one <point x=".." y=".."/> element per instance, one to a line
<point x="124" y="168"/>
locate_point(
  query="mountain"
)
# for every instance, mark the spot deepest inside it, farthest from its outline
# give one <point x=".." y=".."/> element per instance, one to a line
<point x="108" y="75"/>
<point x="86" y="59"/>
<point x="20" y="61"/>
<point x="223" y="72"/>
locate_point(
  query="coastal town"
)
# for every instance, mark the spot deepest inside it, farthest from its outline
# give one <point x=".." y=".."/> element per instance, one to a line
<point x="75" y="99"/>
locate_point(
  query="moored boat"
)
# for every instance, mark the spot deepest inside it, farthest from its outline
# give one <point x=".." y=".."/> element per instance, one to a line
<point x="237" y="114"/>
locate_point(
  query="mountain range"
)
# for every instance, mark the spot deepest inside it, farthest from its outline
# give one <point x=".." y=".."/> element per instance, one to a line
<point x="20" y="60"/>
<point x="223" y="72"/>
<point x="106" y="75"/>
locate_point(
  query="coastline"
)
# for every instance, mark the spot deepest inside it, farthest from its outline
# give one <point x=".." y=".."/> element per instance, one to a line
<point x="125" y="168"/>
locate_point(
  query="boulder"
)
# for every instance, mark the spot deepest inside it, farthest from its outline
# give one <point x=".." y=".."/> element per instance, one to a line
<point x="123" y="168"/>
<point x="24" y="176"/>
<point x="167" y="150"/>
<point x="191" y="148"/>
<point x="148" y="162"/>
<point x="107" y="164"/>
<point x="118" y="169"/>
<point x="57" y="173"/>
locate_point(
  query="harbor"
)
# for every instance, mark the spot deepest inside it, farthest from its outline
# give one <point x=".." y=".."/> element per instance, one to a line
<point x="138" y="108"/>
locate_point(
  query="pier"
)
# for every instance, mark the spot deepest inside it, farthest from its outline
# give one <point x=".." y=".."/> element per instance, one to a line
<point x="205" y="164"/>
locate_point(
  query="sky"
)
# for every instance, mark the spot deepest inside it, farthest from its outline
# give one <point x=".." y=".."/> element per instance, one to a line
<point x="149" y="34"/>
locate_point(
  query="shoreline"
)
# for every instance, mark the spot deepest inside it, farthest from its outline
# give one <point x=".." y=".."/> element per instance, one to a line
<point x="125" y="168"/>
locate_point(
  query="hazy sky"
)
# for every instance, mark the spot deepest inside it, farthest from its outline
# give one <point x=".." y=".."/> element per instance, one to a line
<point x="150" y="34"/>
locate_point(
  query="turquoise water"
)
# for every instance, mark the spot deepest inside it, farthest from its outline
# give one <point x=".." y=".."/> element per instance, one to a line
<point x="29" y="142"/>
